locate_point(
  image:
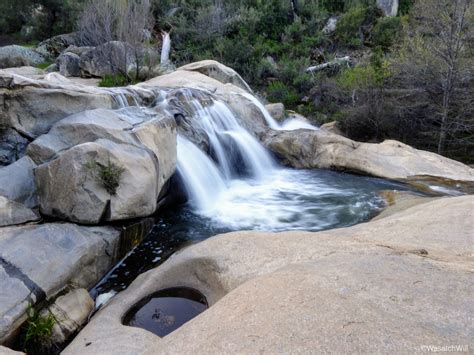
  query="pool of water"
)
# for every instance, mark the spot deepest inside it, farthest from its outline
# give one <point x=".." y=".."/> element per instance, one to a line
<point x="166" y="310"/>
<point x="310" y="200"/>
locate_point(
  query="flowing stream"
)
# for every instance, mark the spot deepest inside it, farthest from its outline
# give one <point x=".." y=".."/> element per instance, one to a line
<point x="238" y="185"/>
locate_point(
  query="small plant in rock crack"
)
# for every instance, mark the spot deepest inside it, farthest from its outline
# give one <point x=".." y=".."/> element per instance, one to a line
<point x="108" y="175"/>
<point x="38" y="331"/>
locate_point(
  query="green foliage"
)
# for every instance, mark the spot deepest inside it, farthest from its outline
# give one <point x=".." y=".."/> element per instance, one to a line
<point x="108" y="176"/>
<point x="44" y="65"/>
<point x="405" y="6"/>
<point x="109" y="81"/>
<point x="38" y="331"/>
<point x="40" y="18"/>
<point x="354" y="27"/>
<point x="279" y="92"/>
<point x="386" y="31"/>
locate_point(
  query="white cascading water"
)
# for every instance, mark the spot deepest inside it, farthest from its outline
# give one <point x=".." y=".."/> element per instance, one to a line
<point x="290" y="124"/>
<point x="166" y="48"/>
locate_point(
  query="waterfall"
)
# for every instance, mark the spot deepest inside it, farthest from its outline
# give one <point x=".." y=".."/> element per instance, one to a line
<point x="202" y="179"/>
<point x="290" y="124"/>
<point x="237" y="154"/>
<point x="166" y="48"/>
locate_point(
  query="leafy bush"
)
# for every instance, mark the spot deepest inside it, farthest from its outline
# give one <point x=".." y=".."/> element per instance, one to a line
<point x="109" y="81"/>
<point x="353" y="28"/>
<point x="38" y="331"/>
<point x="386" y="31"/>
<point x="108" y="175"/>
<point x="279" y="92"/>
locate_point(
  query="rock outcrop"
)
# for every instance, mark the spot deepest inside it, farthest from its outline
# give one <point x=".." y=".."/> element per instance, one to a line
<point x="63" y="254"/>
<point x="218" y="71"/>
<point x="391" y="285"/>
<point x="140" y="145"/>
<point x="54" y="46"/>
<point x="18" y="56"/>
<point x="106" y="59"/>
<point x="68" y="64"/>
<point x="390" y="159"/>
<point x="31" y="106"/>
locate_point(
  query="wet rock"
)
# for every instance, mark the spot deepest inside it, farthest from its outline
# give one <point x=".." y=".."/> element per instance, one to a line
<point x="68" y="64"/>
<point x="277" y="111"/>
<point x="245" y="110"/>
<point x="12" y="213"/>
<point x="63" y="254"/>
<point x="356" y="289"/>
<point x="70" y="312"/>
<point x="219" y="72"/>
<point x="390" y="159"/>
<point x="18" y="56"/>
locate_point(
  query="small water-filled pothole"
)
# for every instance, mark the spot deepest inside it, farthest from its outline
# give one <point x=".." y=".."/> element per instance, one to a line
<point x="165" y="311"/>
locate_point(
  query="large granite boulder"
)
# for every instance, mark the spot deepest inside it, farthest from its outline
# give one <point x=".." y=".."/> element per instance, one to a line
<point x="54" y="46"/>
<point x="218" y="71"/>
<point x="393" y="285"/>
<point x="68" y="64"/>
<point x="37" y="262"/>
<point x="106" y="59"/>
<point x="140" y="145"/>
<point x="32" y="106"/>
<point x="18" y="56"/>
<point x="390" y="159"/>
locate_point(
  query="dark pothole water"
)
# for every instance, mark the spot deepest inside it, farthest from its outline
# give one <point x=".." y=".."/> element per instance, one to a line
<point x="310" y="200"/>
<point x="165" y="311"/>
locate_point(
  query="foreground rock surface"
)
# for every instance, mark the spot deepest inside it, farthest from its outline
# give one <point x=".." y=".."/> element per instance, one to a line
<point x="390" y="159"/>
<point x="391" y="285"/>
<point x="63" y="254"/>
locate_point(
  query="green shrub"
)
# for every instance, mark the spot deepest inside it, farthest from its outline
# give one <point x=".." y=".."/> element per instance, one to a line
<point x="38" y="331"/>
<point x="386" y="31"/>
<point x="279" y="92"/>
<point x="108" y="176"/>
<point x="44" y="65"/>
<point x="109" y="81"/>
<point x="353" y="28"/>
